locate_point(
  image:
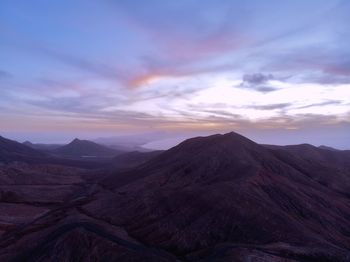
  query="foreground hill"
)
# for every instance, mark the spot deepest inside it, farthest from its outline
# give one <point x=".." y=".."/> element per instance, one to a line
<point x="328" y="167"/>
<point x="85" y="148"/>
<point x="134" y="158"/>
<point x="226" y="189"/>
<point x="216" y="198"/>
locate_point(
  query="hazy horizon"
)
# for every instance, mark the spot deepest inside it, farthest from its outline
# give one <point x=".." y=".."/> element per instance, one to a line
<point x="165" y="140"/>
<point x="277" y="72"/>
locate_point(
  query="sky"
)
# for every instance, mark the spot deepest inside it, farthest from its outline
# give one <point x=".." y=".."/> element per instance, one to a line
<point x="276" y="71"/>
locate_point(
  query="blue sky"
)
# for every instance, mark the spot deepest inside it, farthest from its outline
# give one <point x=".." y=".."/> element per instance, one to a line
<point x="275" y="70"/>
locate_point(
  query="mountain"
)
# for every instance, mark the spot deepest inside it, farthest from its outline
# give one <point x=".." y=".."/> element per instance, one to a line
<point x="12" y="150"/>
<point x="134" y="158"/>
<point x="42" y="147"/>
<point x="224" y="195"/>
<point x="132" y="141"/>
<point x="28" y="143"/>
<point x="85" y="148"/>
<point x="215" y="198"/>
<point x="327" y="167"/>
<point x="327" y="148"/>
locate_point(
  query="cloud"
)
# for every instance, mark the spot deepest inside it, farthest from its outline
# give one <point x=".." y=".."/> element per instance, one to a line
<point x="325" y="103"/>
<point x="195" y="45"/>
<point x="340" y="67"/>
<point x="309" y="64"/>
<point x="89" y="66"/>
<point x="170" y="55"/>
<point x="257" y="79"/>
<point x="270" y="107"/>
<point x="257" y="82"/>
<point x="153" y="73"/>
<point x="83" y="64"/>
<point x="88" y="108"/>
<point x="174" y="93"/>
<point x="151" y="69"/>
<point x="265" y="89"/>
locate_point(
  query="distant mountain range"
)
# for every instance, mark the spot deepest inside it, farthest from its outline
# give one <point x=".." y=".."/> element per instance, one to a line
<point x="85" y="148"/>
<point x="215" y="198"/>
<point x="78" y="153"/>
<point x="42" y="147"/>
<point x="10" y="149"/>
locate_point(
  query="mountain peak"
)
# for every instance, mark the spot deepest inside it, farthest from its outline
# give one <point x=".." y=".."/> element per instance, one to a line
<point x="231" y="142"/>
<point x="220" y="155"/>
<point x="10" y="147"/>
<point x="27" y="143"/>
<point x="233" y="136"/>
<point x="76" y="140"/>
<point x="81" y="148"/>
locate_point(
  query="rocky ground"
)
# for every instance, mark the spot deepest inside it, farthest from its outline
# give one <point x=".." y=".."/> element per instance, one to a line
<point x="217" y="198"/>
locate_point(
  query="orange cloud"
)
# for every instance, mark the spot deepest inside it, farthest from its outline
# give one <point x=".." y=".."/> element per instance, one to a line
<point x="183" y="54"/>
<point x="142" y="80"/>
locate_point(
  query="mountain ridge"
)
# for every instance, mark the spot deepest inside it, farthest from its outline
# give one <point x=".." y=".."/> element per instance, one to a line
<point x="205" y="182"/>
<point x="85" y="148"/>
<point x="216" y="198"/>
<point x="10" y="149"/>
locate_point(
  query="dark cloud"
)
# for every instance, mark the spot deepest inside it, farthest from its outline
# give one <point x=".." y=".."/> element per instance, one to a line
<point x="220" y="113"/>
<point x="325" y="103"/>
<point x="271" y="107"/>
<point x="257" y="82"/>
<point x="324" y="78"/>
<point x="309" y="64"/>
<point x="256" y="79"/>
<point x="265" y="89"/>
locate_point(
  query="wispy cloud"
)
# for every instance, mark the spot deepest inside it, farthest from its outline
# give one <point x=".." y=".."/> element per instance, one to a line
<point x="176" y="64"/>
<point x="271" y="106"/>
<point x="325" y="103"/>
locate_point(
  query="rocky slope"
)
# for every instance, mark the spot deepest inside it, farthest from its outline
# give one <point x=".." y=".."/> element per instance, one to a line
<point x="216" y="198"/>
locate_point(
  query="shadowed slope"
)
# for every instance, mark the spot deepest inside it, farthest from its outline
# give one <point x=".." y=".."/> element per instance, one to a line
<point x="216" y="198"/>
<point x="330" y="168"/>
<point x="226" y="188"/>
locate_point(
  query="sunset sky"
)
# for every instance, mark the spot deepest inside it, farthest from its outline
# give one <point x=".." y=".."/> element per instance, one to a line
<point x="277" y="71"/>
